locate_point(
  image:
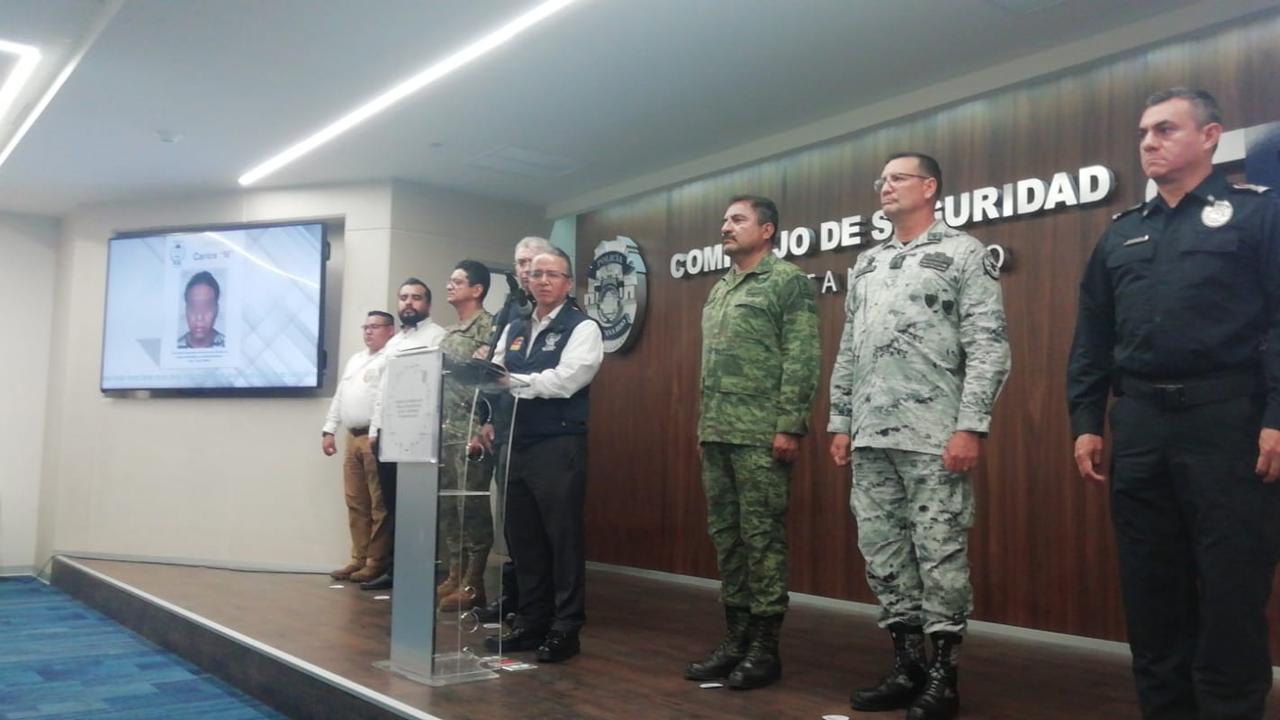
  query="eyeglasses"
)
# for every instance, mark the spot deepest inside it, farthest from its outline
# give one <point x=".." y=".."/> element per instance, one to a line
<point x="895" y="180"/>
<point x="550" y="274"/>
<point x="374" y="326"/>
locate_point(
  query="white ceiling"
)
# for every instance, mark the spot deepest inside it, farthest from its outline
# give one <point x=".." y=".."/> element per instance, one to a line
<point x="605" y="91"/>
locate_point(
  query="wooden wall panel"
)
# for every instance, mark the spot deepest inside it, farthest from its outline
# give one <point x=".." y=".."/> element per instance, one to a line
<point x="1042" y="549"/>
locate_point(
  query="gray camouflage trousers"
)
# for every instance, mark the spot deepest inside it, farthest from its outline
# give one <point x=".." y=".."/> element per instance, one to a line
<point x="913" y="530"/>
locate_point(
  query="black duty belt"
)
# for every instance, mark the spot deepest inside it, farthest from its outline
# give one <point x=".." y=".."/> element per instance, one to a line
<point x="1188" y="393"/>
<point x="358" y="432"/>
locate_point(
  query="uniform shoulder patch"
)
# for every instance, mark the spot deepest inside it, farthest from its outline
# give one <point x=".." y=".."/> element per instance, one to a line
<point x="1126" y="211"/>
<point x="1260" y="189"/>
<point x="991" y="265"/>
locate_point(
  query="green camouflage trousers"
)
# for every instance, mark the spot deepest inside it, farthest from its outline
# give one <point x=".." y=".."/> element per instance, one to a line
<point x="466" y="524"/>
<point x="747" y="495"/>
<point x="913" y="530"/>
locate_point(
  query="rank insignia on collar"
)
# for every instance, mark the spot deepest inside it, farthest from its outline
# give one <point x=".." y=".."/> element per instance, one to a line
<point x="1255" y="188"/>
<point x="1135" y="241"/>
<point x="1216" y="214"/>
<point x="1126" y="211"/>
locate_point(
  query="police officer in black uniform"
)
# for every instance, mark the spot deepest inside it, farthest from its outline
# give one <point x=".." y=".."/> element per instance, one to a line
<point x="1180" y="318"/>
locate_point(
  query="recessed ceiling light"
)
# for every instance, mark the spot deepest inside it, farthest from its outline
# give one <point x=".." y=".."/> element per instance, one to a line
<point x="108" y="10"/>
<point x="423" y="78"/>
<point x="28" y="58"/>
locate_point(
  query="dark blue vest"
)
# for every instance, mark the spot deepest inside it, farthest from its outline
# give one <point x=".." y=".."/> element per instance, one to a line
<point x="543" y="417"/>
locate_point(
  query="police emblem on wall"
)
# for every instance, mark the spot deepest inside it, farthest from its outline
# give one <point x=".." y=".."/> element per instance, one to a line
<point x="617" y="283"/>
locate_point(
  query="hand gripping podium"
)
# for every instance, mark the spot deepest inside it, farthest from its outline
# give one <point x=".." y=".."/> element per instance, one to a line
<point x="433" y="408"/>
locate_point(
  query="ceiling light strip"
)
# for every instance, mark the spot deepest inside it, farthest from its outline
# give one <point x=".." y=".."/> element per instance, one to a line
<point x="424" y="78"/>
<point x="109" y="9"/>
<point x="28" y="58"/>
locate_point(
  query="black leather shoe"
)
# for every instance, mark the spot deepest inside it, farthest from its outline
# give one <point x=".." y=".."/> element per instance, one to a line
<point x="382" y="582"/>
<point x="558" y="647"/>
<point x="521" y="638"/>
<point x="499" y="609"/>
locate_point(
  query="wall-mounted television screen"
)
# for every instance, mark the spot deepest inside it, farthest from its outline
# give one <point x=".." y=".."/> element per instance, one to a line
<point x="230" y="307"/>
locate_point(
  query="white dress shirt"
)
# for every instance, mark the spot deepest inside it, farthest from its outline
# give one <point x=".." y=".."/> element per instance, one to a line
<point x="583" y="352"/>
<point x="352" y="405"/>
<point x="426" y="334"/>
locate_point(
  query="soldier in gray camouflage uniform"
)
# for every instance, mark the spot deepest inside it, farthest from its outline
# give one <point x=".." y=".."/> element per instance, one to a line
<point x="466" y="525"/>
<point x="759" y="375"/>
<point x="923" y="355"/>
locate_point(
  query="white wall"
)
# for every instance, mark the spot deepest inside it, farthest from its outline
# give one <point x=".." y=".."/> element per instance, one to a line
<point x="432" y="229"/>
<point x="240" y="481"/>
<point x="234" y="481"/>
<point x="29" y="247"/>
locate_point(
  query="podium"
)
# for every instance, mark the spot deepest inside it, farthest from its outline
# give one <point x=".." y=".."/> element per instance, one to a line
<point x="433" y="407"/>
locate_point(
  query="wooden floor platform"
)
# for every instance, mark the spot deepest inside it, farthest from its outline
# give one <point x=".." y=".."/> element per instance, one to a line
<point x="641" y="632"/>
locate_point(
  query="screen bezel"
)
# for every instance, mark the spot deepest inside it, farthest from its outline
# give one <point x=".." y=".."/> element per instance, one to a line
<point x="227" y="391"/>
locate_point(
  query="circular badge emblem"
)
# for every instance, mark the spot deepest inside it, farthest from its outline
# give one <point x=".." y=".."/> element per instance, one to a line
<point x="1217" y="214"/>
<point x="617" y="284"/>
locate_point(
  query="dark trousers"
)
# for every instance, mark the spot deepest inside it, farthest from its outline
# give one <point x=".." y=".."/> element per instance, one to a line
<point x="510" y="594"/>
<point x="1198" y="535"/>
<point x="510" y="586"/>
<point x="546" y="488"/>
<point x="387" y="481"/>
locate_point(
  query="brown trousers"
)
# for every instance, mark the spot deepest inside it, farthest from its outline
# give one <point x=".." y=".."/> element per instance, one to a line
<point x="372" y="530"/>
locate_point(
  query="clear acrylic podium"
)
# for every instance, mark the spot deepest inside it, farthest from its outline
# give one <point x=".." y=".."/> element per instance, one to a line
<point x="433" y="408"/>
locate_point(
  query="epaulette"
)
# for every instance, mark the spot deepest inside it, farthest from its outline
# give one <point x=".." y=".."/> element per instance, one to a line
<point x="1260" y="189"/>
<point x="1126" y="211"/>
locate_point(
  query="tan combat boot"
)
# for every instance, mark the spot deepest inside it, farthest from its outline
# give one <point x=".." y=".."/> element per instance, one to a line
<point x="345" y="572"/>
<point x="470" y="592"/>
<point x="450" y="584"/>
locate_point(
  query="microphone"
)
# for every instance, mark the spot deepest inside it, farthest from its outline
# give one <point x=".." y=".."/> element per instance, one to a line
<point x="524" y="303"/>
<point x="518" y="302"/>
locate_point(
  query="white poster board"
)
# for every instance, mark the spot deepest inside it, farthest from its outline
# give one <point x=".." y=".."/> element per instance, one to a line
<point x="411" y="407"/>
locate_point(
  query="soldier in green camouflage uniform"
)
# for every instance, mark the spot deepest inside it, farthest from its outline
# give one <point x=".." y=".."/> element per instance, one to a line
<point x="922" y="357"/>
<point x="466" y="524"/>
<point x="759" y="374"/>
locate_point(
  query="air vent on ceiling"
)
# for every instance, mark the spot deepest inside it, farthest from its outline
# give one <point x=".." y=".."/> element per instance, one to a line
<point x="525" y="163"/>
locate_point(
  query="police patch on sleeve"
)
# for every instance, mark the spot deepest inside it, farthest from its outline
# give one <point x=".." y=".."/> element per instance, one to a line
<point x="991" y="264"/>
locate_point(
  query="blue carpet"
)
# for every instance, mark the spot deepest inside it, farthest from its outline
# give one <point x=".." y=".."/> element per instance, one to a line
<point x="60" y="659"/>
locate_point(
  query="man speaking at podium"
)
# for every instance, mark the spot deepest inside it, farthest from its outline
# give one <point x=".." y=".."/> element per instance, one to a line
<point x="554" y="355"/>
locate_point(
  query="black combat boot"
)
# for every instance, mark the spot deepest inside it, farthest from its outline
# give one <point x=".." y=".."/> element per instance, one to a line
<point x="761" y="666"/>
<point x="941" y="697"/>
<point x="729" y="653"/>
<point x="905" y="679"/>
